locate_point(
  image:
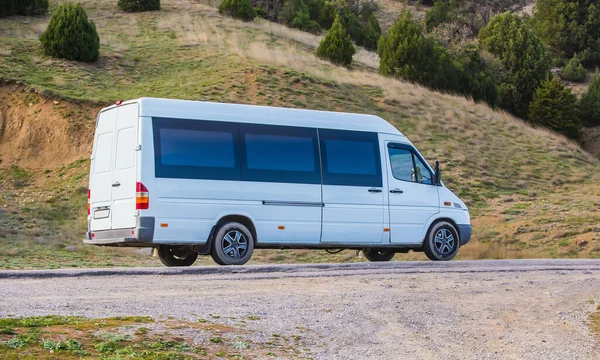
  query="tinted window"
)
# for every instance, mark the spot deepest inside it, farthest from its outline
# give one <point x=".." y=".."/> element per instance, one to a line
<point x="196" y="149"/>
<point x="407" y="165"/>
<point x="402" y="164"/>
<point x="279" y="154"/>
<point x="350" y="158"/>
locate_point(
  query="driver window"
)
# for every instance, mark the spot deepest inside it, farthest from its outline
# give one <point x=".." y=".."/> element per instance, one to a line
<point x="402" y="164"/>
<point x="408" y="167"/>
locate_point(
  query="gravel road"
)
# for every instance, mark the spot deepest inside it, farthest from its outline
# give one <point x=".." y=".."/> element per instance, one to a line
<point x="516" y="309"/>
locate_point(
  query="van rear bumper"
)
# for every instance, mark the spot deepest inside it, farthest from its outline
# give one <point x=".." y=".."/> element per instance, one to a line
<point x="465" y="231"/>
<point x="141" y="235"/>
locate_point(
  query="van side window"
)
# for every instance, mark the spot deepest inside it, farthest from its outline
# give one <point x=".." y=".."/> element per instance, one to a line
<point x="350" y="158"/>
<point x="408" y="166"/>
<point x="189" y="149"/>
<point x="282" y="154"/>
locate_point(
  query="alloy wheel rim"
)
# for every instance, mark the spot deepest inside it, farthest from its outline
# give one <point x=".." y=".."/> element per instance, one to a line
<point x="444" y="241"/>
<point x="234" y="244"/>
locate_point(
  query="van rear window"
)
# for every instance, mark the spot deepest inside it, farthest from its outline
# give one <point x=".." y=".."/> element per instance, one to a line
<point x="190" y="149"/>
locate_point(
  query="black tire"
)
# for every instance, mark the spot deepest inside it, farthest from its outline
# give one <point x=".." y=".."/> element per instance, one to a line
<point x="442" y="242"/>
<point x="378" y="255"/>
<point x="177" y="255"/>
<point x="233" y="244"/>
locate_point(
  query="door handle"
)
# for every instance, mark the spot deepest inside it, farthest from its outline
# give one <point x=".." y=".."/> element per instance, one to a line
<point x="116" y="184"/>
<point x="396" y="191"/>
<point x="375" y="190"/>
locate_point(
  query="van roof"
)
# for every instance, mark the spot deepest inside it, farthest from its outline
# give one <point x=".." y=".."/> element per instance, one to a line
<point x="202" y="110"/>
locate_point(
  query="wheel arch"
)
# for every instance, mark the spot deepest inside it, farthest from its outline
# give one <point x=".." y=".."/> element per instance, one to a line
<point x="438" y="220"/>
<point x="242" y="219"/>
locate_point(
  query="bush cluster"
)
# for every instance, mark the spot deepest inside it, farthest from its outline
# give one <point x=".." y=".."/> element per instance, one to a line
<point x="589" y="104"/>
<point x="522" y="54"/>
<point x="239" y="9"/>
<point x="555" y="106"/>
<point x="23" y="7"/>
<point x="70" y="35"/>
<point x="315" y="15"/>
<point x="336" y="46"/>
<point x="139" y="5"/>
<point x="569" y="27"/>
<point x="406" y="52"/>
<point x="574" y="71"/>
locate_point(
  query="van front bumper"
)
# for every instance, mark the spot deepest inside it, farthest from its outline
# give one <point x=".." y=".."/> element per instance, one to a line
<point x="465" y="232"/>
<point x="141" y="235"/>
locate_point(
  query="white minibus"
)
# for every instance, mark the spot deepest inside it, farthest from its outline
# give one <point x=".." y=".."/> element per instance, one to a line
<point x="196" y="178"/>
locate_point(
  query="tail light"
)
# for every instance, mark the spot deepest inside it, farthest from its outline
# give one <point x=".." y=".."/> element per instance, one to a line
<point x="89" y="197"/>
<point x="141" y="197"/>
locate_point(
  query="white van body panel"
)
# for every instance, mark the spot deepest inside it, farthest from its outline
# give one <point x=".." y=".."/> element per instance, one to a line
<point x="186" y="210"/>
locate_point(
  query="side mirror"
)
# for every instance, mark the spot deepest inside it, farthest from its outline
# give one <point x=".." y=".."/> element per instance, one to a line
<point x="437" y="177"/>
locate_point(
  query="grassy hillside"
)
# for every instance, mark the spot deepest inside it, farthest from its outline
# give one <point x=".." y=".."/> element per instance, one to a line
<point x="532" y="193"/>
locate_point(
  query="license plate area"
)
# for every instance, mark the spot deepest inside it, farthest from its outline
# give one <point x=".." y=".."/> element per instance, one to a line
<point x="101" y="213"/>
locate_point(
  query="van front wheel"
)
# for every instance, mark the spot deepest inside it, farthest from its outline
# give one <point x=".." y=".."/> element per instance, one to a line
<point x="442" y="242"/>
<point x="378" y="255"/>
<point x="176" y="255"/>
<point x="232" y="245"/>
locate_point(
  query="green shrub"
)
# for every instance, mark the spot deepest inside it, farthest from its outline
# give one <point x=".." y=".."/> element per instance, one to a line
<point x="301" y="14"/>
<point x="31" y="7"/>
<point x="352" y="25"/>
<point x="555" y="106"/>
<point x="523" y="56"/>
<point x="260" y="11"/>
<point x="327" y="15"/>
<point x="574" y="71"/>
<point x="589" y="104"/>
<point x="372" y="33"/>
<point x="70" y="35"/>
<point x="569" y="27"/>
<point x="336" y="46"/>
<point x="239" y="9"/>
<point x="405" y="52"/>
<point x="441" y="12"/>
<point x="23" y="7"/>
<point x="139" y="5"/>
<point x="303" y="22"/>
<point x="478" y="77"/>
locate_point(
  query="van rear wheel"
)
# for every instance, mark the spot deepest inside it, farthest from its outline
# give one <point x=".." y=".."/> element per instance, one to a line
<point x="442" y="242"/>
<point x="176" y="255"/>
<point x="378" y="254"/>
<point x="233" y="244"/>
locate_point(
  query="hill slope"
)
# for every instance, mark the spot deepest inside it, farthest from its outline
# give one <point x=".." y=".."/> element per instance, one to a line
<point x="532" y="193"/>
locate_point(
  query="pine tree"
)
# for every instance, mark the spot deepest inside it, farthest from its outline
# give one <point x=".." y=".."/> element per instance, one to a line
<point x="239" y="9"/>
<point x="555" y="106"/>
<point x="372" y="33"/>
<point x="336" y="46"/>
<point x="70" y="35"/>
<point x="589" y="105"/>
<point x="523" y="56"/>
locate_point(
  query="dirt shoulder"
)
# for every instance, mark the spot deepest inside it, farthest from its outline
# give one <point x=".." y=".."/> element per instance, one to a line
<point x="486" y="309"/>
